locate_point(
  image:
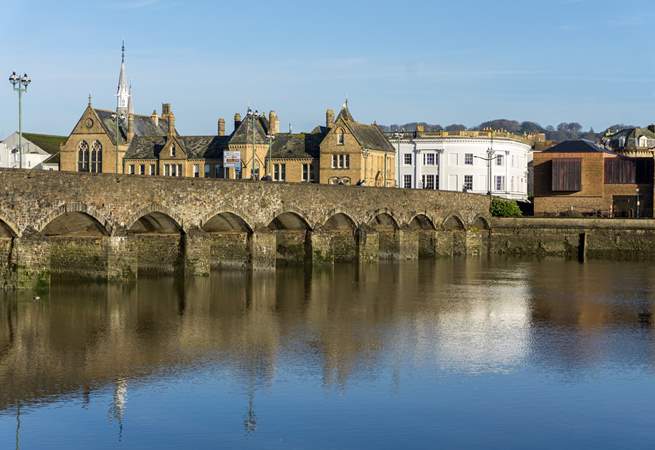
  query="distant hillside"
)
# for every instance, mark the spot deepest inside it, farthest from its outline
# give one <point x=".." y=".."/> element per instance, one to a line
<point x="562" y="132"/>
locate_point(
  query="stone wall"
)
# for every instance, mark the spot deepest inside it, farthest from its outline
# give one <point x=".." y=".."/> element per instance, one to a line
<point x="574" y="238"/>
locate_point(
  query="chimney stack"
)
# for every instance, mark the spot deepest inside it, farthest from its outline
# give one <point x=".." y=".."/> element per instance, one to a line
<point x="155" y="118"/>
<point x="237" y="121"/>
<point x="171" y="122"/>
<point x="165" y="110"/>
<point x="221" y="127"/>
<point x="273" y="123"/>
<point x="329" y="118"/>
<point x="130" y="127"/>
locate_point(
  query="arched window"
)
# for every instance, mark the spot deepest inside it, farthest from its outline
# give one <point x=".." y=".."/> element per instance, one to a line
<point x="341" y="140"/>
<point x="83" y="157"/>
<point x="96" y="157"/>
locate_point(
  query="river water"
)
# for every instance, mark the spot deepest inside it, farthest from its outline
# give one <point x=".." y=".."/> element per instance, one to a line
<point x="470" y="354"/>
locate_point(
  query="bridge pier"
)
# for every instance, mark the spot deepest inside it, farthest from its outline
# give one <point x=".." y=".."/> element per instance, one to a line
<point x="263" y="249"/>
<point x="31" y="262"/>
<point x="122" y="262"/>
<point x="427" y="243"/>
<point x="368" y="245"/>
<point x="322" y="251"/>
<point x="408" y="244"/>
<point x="197" y="252"/>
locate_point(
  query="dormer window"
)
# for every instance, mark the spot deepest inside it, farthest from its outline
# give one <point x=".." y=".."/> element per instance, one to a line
<point x="173" y="151"/>
<point x="341" y="140"/>
<point x="621" y="142"/>
<point x="643" y="141"/>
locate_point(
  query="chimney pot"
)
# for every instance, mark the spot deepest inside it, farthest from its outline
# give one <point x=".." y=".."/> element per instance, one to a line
<point x="237" y="121"/>
<point x="155" y="118"/>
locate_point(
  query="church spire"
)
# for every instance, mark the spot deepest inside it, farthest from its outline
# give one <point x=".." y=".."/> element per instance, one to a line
<point x="123" y="92"/>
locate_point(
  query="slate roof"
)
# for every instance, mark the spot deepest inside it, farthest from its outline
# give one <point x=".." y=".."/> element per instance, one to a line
<point x="576" y="146"/>
<point x="243" y="134"/>
<point x="369" y="136"/>
<point x="299" y="145"/>
<point x="46" y="142"/>
<point x="143" y="126"/>
<point x="196" y="147"/>
<point x="631" y="136"/>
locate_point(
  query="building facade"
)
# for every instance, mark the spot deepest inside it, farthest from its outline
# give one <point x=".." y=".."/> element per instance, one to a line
<point x="464" y="161"/>
<point x="638" y="142"/>
<point x="40" y="151"/>
<point x="343" y="151"/>
<point x="581" y="178"/>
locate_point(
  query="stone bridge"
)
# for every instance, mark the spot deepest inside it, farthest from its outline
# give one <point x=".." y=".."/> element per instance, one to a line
<point x="117" y="227"/>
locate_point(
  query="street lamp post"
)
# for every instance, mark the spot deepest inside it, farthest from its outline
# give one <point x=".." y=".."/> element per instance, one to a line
<point x="490" y="157"/>
<point x="117" y="117"/>
<point x="253" y="116"/>
<point x="20" y="84"/>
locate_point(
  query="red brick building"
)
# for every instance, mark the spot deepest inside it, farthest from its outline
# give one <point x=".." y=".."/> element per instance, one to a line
<point x="581" y="178"/>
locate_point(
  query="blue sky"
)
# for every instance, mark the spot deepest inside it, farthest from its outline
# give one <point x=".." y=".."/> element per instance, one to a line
<point x="437" y="61"/>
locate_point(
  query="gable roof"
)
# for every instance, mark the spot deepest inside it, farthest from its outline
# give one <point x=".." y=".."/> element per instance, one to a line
<point x="46" y="142"/>
<point x="143" y="126"/>
<point x="577" y="146"/>
<point x="368" y="136"/>
<point x="244" y="132"/>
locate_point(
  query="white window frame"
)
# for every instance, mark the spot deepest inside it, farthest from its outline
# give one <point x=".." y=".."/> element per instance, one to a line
<point x="408" y="158"/>
<point x="468" y="159"/>
<point x="407" y="181"/>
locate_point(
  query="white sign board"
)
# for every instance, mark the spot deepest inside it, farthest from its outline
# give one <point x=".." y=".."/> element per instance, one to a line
<point x="232" y="160"/>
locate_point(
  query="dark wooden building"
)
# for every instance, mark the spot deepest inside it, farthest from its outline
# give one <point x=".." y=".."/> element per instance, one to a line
<point x="581" y="178"/>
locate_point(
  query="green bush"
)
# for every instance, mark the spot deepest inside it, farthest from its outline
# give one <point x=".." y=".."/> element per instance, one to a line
<point x="505" y="208"/>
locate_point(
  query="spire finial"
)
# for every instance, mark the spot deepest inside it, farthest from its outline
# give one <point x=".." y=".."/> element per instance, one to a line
<point x="123" y="52"/>
<point x="89" y="99"/>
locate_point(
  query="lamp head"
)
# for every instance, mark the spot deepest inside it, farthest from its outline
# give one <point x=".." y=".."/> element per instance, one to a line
<point x="13" y="78"/>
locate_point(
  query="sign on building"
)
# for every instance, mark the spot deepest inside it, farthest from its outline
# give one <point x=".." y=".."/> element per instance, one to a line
<point x="232" y="160"/>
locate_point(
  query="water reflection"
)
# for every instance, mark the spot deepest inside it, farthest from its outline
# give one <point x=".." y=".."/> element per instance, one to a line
<point x="347" y="326"/>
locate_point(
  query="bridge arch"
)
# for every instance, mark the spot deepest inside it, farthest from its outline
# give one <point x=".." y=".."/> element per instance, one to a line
<point x="292" y="237"/>
<point x="422" y="222"/>
<point x="340" y="221"/>
<point x="481" y="223"/>
<point x="155" y="219"/>
<point x="453" y="223"/>
<point x="342" y="232"/>
<point x="156" y="238"/>
<point x="229" y="236"/>
<point x="427" y="239"/>
<point x="226" y="221"/>
<point x="74" y="219"/>
<point x="387" y="228"/>
<point x="7" y="229"/>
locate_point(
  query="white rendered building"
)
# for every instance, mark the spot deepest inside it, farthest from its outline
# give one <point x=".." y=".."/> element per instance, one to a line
<point x="40" y="151"/>
<point x="460" y="161"/>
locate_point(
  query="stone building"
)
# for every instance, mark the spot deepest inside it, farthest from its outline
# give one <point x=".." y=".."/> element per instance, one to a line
<point x="631" y="141"/>
<point x="581" y="178"/>
<point x="343" y="151"/>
